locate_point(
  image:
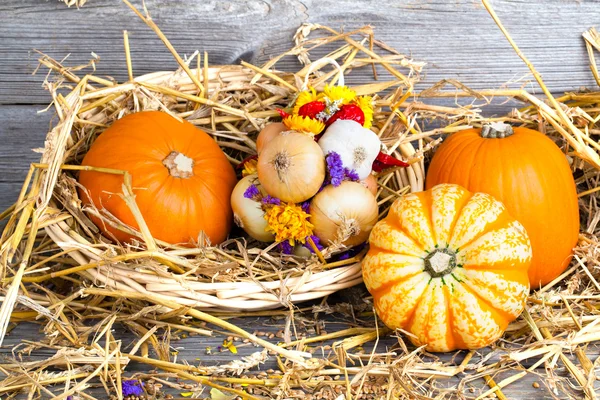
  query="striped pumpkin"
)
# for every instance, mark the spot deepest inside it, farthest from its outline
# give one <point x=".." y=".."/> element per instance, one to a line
<point x="448" y="266"/>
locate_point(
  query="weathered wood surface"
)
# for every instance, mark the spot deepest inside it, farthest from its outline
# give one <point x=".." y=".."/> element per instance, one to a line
<point x="456" y="38"/>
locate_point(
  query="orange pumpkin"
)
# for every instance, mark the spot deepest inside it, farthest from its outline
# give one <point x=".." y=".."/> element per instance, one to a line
<point x="526" y="171"/>
<point x="448" y="266"/>
<point x="182" y="181"/>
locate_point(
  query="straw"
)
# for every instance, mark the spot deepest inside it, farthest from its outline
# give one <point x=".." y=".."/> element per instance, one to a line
<point x="161" y="292"/>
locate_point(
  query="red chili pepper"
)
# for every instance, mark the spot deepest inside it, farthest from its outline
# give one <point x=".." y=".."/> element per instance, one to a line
<point x="282" y="113"/>
<point x="385" y="161"/>
<point x="311" y="109"/>
<point x="350" y="112"/>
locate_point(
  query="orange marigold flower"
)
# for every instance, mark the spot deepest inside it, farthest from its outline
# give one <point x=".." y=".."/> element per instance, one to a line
<point x="288" y="222"/>
<point x="304" y="124"/>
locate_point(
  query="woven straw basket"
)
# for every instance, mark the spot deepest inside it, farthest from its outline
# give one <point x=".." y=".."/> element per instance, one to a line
<point x="232" y="103"/>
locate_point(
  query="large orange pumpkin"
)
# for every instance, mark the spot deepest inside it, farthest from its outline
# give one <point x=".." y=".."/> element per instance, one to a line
<point x="448" y="266"/>
<point x="527" y="172"/>
<point x="182" y="181"/>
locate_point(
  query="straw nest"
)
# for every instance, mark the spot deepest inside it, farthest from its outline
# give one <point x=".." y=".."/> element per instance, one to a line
<point x="151" y="285"/>
<point x="232" y="103"/>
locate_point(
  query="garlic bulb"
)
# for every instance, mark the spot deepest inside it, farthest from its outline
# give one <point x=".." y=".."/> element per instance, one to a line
<point x="247" y="213"/>
<point x="357" y="146"/>
<point x="268" y="133"/>
<point x="291" y="167"/>
<point x="344" y="214"/>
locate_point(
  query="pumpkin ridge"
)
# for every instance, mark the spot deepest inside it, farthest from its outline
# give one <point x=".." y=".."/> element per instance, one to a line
<point x="395" y="222"/>
<point x="427" y="205"/>
<point x="427" y="303"/>
<point x="457" y="342"/>
<point x="465" y="199"/>
<point x="504" y="275"/>
<point x="505" y="315"/>
<point x="503" y="221"/>
<point x="388" y="286"/>
<point x="411" y="316"/>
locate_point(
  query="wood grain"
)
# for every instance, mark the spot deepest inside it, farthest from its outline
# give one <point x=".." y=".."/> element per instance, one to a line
<point x="458" y="38"/>
<point x="193" y="350"/>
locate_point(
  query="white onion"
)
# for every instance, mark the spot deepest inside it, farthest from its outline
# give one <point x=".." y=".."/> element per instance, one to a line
<point x="248" y="213"/>
<point x="344" y="214"/>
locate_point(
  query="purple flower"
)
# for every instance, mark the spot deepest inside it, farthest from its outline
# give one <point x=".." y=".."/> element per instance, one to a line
<point x="132" y="387"/>
<point x="271" y="200"/>
<point x="69" y="397"/>
<point x="335" y="168"/>
<point x="316" y="241"/>
<point x="351" y="174"/>
<point x="352" y="252"/>
<point x="285" y="247"/>
<point x="305" y="206"/>
<point x="252" y="192"/>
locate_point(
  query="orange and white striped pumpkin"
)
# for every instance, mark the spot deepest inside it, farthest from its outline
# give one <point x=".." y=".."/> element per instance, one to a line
<point x="448" y="266"/>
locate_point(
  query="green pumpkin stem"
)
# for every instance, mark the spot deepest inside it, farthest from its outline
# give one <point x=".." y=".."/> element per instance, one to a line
<point x="440" y="262"/>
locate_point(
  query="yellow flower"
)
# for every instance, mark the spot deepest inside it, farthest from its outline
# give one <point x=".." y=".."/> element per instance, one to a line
<point x="304" y="124"/>
<point x="249" y="168"/>
<point x="288" y="222"/>
<point x="337" y="93"/>
<point x="305" y="98"/>
<point x="229" y="345"/>
<point x="366" y="105"/>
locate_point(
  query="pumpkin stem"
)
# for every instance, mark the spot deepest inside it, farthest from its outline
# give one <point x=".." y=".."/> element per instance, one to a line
<point x="179" y="165"/>
<point x="498" y="129"/>
<point x="440" y="262"/>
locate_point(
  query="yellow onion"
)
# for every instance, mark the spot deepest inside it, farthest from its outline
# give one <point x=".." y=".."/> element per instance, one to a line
<point x="268" y="133"/>
<point x="343" y="214"/>
<point x="247" y="213"/>
<point x="291" y="167"/>
<point x="370" y="182"/>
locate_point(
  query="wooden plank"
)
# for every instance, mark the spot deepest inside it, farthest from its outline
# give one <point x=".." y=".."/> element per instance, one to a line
<point x="193" y="350"/>
<point x="458" y="39"/>
<point x="22" y="129"/>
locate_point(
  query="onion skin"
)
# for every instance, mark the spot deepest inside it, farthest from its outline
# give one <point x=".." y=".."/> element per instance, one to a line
<point x="268" y="133"/>
<point x="291" y="167"/>
<point x="370" y="182"/>
<point x="349" y="210"/>
<point x="248" y="213"/>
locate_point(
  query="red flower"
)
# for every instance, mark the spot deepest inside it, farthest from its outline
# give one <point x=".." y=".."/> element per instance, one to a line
<point x="350" y="112"/>
<point x="311" y="109"/>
